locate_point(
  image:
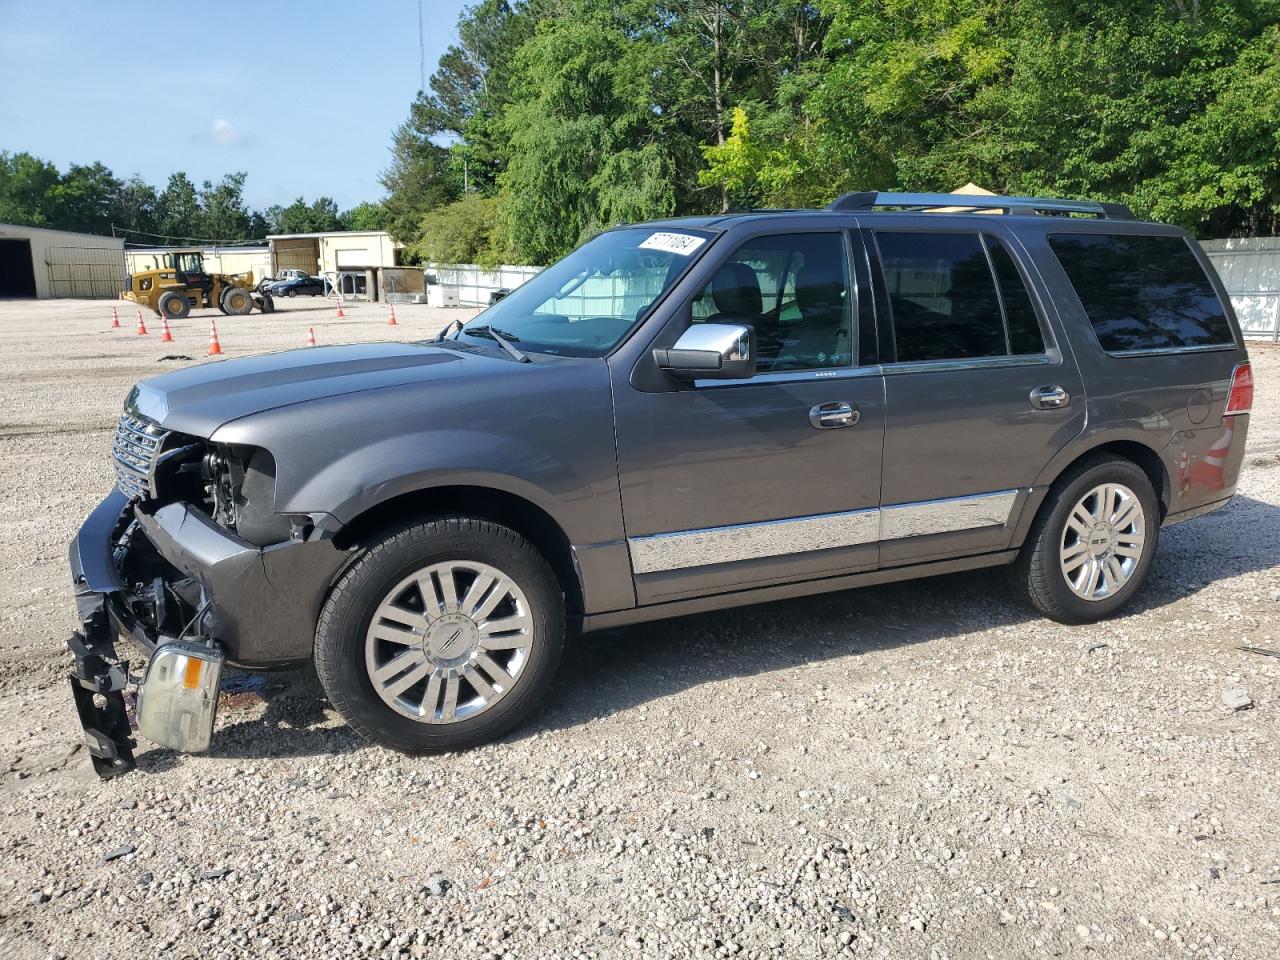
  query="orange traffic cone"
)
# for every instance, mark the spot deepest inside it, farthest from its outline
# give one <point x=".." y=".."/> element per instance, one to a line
<point x="215" y="347"/>
<point x="341" y="315"/>
<point x="115" y="319"/>
<point x="311" y="336"/>
<point x="165" y="335"/>
<point x="142" y="326"/>
<point x="391" y="320"/>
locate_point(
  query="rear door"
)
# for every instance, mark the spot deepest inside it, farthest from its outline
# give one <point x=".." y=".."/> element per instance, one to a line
<point x="979" y="391"/>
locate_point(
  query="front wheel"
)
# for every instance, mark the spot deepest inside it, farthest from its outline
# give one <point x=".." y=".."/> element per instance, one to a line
<point x="173" y="306"/>
<point x="1092" y="544"/>
<point x="443" y="636"/>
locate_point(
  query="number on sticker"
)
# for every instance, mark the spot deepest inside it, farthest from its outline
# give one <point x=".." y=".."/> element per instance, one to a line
<point x="681" y="243"/>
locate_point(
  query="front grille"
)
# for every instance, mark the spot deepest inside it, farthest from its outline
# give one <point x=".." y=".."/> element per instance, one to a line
<point x="136" y="445"/>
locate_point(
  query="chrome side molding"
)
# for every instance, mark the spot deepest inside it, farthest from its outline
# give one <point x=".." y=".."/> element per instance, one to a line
<point x="681" y="549"/>
<point x="751" y="541"/>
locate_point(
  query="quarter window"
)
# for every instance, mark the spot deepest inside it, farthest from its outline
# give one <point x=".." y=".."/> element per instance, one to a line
<point x="942" y="296"/>
<point x="794" y="290"/>
<point x="1142" y="292"/>
<point x="1024" y="327"/>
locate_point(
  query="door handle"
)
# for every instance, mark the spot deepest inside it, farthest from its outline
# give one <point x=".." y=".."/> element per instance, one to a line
<point x="1049" y="398"/>
<point x="838" y="413"/>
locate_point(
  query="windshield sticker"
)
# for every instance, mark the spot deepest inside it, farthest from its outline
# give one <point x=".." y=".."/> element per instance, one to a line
<point x="681" y="243"/>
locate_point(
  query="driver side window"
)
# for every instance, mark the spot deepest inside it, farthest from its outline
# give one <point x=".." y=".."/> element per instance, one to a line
<point x="794" y="290"/>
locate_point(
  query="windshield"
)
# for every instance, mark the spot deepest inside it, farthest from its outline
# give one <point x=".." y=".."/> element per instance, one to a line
<point x="583" y="305"/>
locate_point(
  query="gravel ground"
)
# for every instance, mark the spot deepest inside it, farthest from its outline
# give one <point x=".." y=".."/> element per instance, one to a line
<point x="920" y="770"/>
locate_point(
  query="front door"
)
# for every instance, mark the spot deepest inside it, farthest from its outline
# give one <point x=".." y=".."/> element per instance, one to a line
<point x="979" y="396"/>
<point x="730" y="484"/>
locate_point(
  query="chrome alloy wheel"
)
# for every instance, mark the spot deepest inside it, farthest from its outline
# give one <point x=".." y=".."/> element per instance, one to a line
<point x="1102" y="541"/>
<point x="448" y="642"/>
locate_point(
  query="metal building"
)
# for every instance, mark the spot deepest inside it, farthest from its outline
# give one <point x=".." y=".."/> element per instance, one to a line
<point x="1250" y="270"/>
<point x="353" y="261"/>
<point x="35" y="262"/>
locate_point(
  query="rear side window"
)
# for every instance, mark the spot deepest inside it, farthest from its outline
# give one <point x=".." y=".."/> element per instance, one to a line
<point x="947" y="304"/>
<point x="1142" y="293"/>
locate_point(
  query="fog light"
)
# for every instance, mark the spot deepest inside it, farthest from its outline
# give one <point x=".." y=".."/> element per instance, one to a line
<point x="178" y="696"/>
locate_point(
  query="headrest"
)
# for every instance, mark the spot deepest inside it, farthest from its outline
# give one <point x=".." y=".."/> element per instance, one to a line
<point x="735" y="290"/>
<point x="819" y="292"/>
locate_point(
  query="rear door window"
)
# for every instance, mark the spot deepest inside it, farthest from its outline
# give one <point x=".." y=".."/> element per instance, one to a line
<point x="946" y="302"/>
<point x="1142" y="292"/>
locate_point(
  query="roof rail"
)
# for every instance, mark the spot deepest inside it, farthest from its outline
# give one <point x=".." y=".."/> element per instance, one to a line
<point x="870" y="199"/>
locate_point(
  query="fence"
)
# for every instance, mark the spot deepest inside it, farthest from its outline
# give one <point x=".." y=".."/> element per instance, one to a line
<point x="1250" y="270"/>
<point x="476" y="283"/>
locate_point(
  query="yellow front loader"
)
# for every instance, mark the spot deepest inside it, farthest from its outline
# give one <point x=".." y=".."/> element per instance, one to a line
<point x="179" y="282"/>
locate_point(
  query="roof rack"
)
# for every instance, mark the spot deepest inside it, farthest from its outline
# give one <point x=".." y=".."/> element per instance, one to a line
<point x="870" y="199"/>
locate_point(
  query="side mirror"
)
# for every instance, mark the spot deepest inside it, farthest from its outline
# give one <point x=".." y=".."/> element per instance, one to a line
<point x="711" y="351"/>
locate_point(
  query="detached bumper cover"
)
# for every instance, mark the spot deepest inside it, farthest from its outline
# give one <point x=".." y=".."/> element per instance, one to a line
<point x="259" y="605"/>
<point x="97" y="680"/>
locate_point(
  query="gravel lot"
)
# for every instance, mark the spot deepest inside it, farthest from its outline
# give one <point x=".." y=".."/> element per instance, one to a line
<point x="921" y="770"/>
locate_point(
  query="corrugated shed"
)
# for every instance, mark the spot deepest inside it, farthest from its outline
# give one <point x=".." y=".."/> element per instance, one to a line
<point x="1250" y="270"/>
<point x="65" y="264"/>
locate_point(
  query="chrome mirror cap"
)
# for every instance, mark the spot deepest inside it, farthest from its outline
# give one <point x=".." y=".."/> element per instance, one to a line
<point x="720" y="351"/>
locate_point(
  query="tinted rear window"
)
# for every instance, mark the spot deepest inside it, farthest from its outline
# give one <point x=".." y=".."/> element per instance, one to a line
<point x="942" y="296"/>
<point x="1142" y="293"/>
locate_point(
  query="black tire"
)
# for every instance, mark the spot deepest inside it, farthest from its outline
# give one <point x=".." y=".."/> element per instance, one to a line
<point x="173" y="305"/>
<point x="1039" y="569"/>
<point x="237" y="301"/>
<point x="267" y="305"/>
<point x="291" y="292"/>
<point x="340" y="648"/>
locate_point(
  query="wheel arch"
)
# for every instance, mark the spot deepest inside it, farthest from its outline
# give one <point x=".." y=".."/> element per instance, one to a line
<point x="1143" y="456"/>
<point x="1140" y="454"/>
<point x="486" y="503"/>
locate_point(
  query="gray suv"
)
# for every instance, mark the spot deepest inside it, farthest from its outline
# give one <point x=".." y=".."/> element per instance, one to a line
<point x="679" y="416"/>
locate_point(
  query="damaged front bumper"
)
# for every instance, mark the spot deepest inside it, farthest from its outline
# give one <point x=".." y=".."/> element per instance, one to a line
<point x="172" y="580"/>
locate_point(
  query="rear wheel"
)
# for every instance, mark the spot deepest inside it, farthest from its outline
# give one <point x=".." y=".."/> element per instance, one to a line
<point x="1090" y="548"/>
<point x="236" y="301"/>
<point x="442" y="636"/>
<point x="173" y="305"/>
<point x="267" y="305"/>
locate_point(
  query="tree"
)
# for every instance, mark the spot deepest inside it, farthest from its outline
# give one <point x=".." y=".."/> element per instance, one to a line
<point x="464" y="231"/>
<point x="585" y="149"/>
<point x="365" y="216"/>
<point x="418" y="179"/>
<point x="301" y="217"/>
<point x="178" y="210"/>
<point x="135" y="206"/>
<point x="27" y="184"/>
<point x="223" y="215"/>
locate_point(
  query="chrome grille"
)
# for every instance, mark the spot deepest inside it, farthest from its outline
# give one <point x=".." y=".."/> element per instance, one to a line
<point x="136" y="445"/>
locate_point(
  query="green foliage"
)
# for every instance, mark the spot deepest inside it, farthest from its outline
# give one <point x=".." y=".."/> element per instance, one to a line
<point x="92" y="200"/>
<point x="464" y="231"/>
<point x="301" y="217"/>
<point x="365" y="216"/>
<point x="1169" y="106"/>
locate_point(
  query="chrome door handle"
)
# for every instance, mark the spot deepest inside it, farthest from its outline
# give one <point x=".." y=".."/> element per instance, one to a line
<point x="1049" y="398"/>
<point x="838" y="413"/>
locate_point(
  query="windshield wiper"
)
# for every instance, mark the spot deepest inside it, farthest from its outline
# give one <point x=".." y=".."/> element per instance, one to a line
<point x="502" y="338"/>
<point x="447" y="327"/>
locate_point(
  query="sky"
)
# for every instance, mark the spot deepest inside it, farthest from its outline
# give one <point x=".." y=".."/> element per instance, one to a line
<point x="302" y="96"/>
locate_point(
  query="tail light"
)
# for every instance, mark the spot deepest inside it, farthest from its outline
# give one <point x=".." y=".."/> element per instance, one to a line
<point x="1240" y="397"/>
